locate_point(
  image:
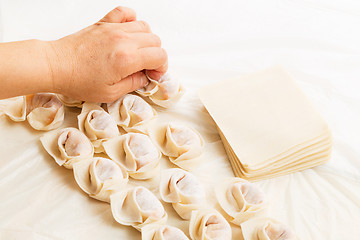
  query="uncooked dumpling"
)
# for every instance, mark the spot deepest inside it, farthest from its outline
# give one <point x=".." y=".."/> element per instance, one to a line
<point x="266" y="229"/>
<point x="209" y="224"/>
<point x="276" y="231"/>
<point x="100" y="177"/>
<point x="137" y="207"/>
<point x="164" y="92"/>
<point x="132" y="113"/>
<point x="97" y="125"/>
<point x="162" y="232"/>
<point x="45" y="111"/>
<point x="182" y="144"/>
<point x="183" y="190"/>
<point x="14" y="108"/>
<point x="136" y="153"/>
<point x="67" y="146"/>
<point x="70" y="102"/>
<point x="240" y="199"/>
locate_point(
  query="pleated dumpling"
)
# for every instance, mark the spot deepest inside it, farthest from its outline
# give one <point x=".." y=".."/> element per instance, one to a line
<point x="209" y="224"/>
<point x="137" y="207"/>
<point x="162" y="232"/>
<point x="240" y="199"/>
<point x="164" y="92"/>
<point x="132" y="113"/>
<point x="45" y="111"/>
<point x="266" y="229"/>
<point x="97" y="125"/>
<point x="183" y="190"/>
<point x="67" y="146"/>
<point x="183" y="145"/>
<point x="70" y="102"/>
<point x="136" y="153"/>
<point x="100" y="177"/>
<point x="14" y="108"/>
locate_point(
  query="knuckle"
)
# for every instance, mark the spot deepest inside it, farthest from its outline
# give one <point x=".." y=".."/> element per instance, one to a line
<point x="123" y="55"/>
<point x="144" y="26"/>
<point x="118" y="35"/>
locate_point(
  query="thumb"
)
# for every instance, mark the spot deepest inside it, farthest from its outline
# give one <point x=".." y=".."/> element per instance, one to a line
<point x="131" y="83"/>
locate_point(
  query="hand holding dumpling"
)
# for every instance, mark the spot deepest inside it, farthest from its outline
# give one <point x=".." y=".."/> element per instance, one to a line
<point x="164" y="92"/>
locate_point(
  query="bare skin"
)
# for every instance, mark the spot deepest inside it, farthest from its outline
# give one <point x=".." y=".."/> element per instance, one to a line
<point x="99" y="63"/>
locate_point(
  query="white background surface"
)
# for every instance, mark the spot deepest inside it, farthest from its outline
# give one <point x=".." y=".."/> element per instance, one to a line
<point x="318" y="42"/>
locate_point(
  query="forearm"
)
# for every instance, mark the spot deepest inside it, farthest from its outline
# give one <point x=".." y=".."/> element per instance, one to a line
<point x="24" y="68"/>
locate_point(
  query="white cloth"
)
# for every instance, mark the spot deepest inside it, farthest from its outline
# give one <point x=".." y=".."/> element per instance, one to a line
<point x="317" y="41"/>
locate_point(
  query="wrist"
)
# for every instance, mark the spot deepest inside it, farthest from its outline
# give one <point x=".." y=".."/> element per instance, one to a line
<point x="59" y="66"/>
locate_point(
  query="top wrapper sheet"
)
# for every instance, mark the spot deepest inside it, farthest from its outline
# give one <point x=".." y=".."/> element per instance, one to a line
<point x="263" y="116"/>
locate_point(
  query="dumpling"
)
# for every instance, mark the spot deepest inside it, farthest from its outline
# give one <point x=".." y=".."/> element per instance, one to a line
<point x="266" y="229"/>
<point x="137" y="207"/>
<point x="132" y="113"/>
<point x="183" y="190"/>
<point x="136" y="153"/>
<point x="164" y="92"/>
<point x="182" y="144"/>
<point x="100" y="177"/>
<point x="97" y="125"/>
<point x="209" y="224"/>
<point x="45" y="111"/>
<point x="70" y="102"/>
<point x="67" y="146"/>
<point x="240" y="199"/>
<point x="162" y="232"/>
<point x="14" y="108"/>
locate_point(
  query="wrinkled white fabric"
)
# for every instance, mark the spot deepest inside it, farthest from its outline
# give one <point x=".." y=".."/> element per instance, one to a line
<point x="317" y="42"/>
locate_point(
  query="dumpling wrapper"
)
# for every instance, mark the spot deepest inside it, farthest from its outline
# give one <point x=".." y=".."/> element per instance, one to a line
<point x="45" y="111"/>
<point x="240" y="199"/>
<point x="70" y="102"/>
<point x="97" y="125"/>
<point x="100" y="177"/>
<point x="266" y="229"/>
<point x="183" y="190"/>
<point x="132" y="113"/>
<point x="136" y="153"/>
<point x="209" y="224"/>
<point x="162" y="232"/>
<point x="67" y="146"/>
<point x="183" y="145"/>
<point x="14" y="108"/>
<point x="272" y="119"/>
<point x="165" y="92"/>
<point x="137" y="207"/>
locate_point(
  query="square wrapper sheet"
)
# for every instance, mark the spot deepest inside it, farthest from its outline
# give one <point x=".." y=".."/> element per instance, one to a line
<point x="267" y="123"/>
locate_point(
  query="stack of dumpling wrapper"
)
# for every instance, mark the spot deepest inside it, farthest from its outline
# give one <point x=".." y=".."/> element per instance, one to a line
<point x="267" y="124"/>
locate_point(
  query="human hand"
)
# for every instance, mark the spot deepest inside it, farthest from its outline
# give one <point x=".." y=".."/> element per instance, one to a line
<point x="107" y="59"/>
